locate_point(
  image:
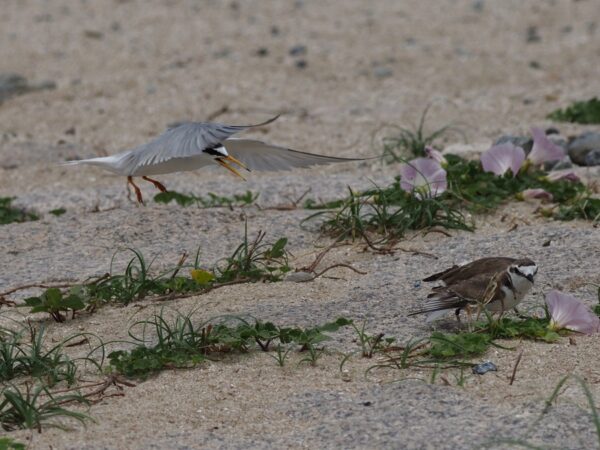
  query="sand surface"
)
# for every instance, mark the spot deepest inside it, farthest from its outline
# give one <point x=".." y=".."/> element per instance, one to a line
<point x="126" y="69"/>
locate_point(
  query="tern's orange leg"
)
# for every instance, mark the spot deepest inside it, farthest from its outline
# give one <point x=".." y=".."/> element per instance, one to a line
<point x="161" y="187"/>
<point x="138" y="193"/>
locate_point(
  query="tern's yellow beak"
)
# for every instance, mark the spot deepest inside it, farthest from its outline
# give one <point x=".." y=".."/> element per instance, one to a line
<point x="236" y="161"/>
<point x="225" y="162"/>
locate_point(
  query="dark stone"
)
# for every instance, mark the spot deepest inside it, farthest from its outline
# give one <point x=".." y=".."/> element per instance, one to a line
<point x="582" y="145"/>
<point x="593" y="157"/>
<point x="565" y="163"/>
<point x="382" y="72"/>
<point x="301" y="64"/>
<point x="12" y="84"/>
<point x="484" y="368"/>
<point x="298" y="50"/>
<point x="262" y="52"/>
<point x="526" y="143"/>
<point x="477" y="5"/>
<point x="532" y="34"/>
<point x="93" y="34"/>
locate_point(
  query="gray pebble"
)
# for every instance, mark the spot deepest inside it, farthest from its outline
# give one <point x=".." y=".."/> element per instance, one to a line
<point x="478" y="5"/>
<point x="298" y="50"/>
<point x="382" y="72"/>
<point x="526" y="143"/>
<point x="593" y="158"/>
<point x="564" y="163"/>
<point x="580" y="146"/>
<point x="532" y="34"/>
<point x="12" y="84"/>
<point x="484" y="368"/>
<point x="299" y="277"/>
<point x="301" y="64"/>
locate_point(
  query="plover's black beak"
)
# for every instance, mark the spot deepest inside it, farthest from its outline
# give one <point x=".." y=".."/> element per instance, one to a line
<point x="529" y="277"/>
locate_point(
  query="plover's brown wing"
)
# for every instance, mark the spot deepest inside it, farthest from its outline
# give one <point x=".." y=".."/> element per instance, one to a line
<point x="457" y="295"/>
<point x="442" y="274"/>
<point x="489" y="265"/>
<point x="258" y="155"/>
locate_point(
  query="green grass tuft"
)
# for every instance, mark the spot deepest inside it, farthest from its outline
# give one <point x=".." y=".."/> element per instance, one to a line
<point x="408" y="142"/>
<point x="36" y="408"/>
<point x="584" y="112"/>
<point x="10" y="214"/>
<point x="181" y="343"/>
<point x="211" y="201"/>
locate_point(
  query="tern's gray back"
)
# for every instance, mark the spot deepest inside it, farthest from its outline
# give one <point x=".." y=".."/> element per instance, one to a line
<point x="185" y="140"/>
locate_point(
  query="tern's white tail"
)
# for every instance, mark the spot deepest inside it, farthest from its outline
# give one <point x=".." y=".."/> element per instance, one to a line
<point x="111" y="163"/>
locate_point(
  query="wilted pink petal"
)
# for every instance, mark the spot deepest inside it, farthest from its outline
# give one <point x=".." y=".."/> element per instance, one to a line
<point x="540" y="194"/>
<point x="499" y="158"/>
<point x="436" y="155"/>
<point x="423" y="176"/>
<point x="568" y="312"/>
<point x="543" y="148"/>
<point x="568" y="175"/>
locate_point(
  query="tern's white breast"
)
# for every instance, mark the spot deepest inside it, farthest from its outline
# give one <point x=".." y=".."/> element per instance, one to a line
<point x="172" y="165"/>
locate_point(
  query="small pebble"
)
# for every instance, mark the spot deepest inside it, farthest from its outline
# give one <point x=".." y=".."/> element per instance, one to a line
<point x="298" y="50"/>
<point x="593" y="157"/>
<point x="582" y="145"/>
<point x="526" y="143"/>
<point x="301" y="64"/>
<point x="484" y="367"/>
<point x="382" y="72"/>
<point x="532" y="34"/>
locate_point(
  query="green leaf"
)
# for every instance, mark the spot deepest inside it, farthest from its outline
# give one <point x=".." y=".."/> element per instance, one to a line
<point x="33" y="301"/>
<point x="73" y="302"/>
<point x="9" y="444"/>
<point x="180" y="199"/>
<point x="463" y="344"/>
<point x="58" y="211"/>
<point x="10" y="214"/>
<point x="278" y="249"/>
<point x="202" y="276"/>
<point x="52" y="296"/>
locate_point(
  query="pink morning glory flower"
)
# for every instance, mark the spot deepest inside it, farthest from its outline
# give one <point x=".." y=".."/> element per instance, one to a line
<point x="533" y="194"/>
<point x="499" y="158"/>
<point x="424" y="177"/>
<point x="436" y="155"/>
<point x="543" y="148"/>
<point x="568" y="312"/>
<point x="568" y="175"/>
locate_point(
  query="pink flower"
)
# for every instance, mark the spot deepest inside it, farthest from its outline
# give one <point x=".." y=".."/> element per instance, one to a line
<point x="499" y="158"/>
<point x="424" y="177"/>
<point x="568" y="312"/>
<point x="543" y="148"/>
<point x="533" y="194"/>
<point x="436" y="155"/>
<point x="568" y="175"/>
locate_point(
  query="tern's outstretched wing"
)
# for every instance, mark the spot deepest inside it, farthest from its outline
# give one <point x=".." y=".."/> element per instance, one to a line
<point x="185" y="140"/>
<point x="258" y="155"/>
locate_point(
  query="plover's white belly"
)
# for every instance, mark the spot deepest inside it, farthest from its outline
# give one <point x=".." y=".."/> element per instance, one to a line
<point x="511" y="298"/>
